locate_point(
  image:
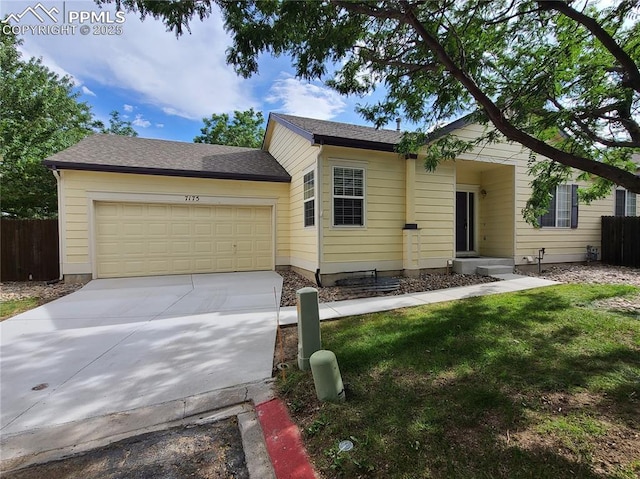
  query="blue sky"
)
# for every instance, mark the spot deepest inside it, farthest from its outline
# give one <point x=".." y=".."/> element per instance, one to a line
<point x="165" y="85"/>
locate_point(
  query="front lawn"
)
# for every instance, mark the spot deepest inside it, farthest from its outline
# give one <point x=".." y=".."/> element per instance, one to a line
<point x="538" y="384"/>
<point x="12" y="307"/>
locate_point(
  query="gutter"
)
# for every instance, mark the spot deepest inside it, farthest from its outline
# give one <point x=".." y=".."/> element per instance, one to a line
<point x="61" y="230"/>
<point x="319" y="204"/>
<point x="168" y="172"/>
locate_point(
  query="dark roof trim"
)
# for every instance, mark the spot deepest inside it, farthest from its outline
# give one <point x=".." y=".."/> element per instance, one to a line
<point x="294" y="128"/>
<point x="163" y="172"/>
<point x="454" y="125"/>
<point x="351" y="143"/>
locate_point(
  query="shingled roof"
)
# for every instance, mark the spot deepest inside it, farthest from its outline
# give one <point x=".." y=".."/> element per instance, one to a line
<point x="322" y="132"/>
<point x="115" y="153"/>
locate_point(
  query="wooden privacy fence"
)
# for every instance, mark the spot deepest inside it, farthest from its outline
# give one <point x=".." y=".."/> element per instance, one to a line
<point x="29" y="250"/>
<point x="621" y="240"/>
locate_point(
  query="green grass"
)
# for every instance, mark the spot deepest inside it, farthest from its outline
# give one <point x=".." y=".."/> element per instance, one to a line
<point x="526" y="385"/>
<point x="15" y="306"/>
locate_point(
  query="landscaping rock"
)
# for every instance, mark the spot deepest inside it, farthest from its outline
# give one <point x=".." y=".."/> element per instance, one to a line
<point x="427" y="282"/>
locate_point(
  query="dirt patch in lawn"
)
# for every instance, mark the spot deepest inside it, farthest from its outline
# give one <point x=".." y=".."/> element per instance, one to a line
<point x="211" y="451"/>
<point x="583" y="426"/>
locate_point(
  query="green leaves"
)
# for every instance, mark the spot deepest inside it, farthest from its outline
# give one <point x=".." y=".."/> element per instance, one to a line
<point x="117" y="126"/>
<point x="244" y="130"/>
<point x="39" y="116"/>
<point x="559" y="79"/>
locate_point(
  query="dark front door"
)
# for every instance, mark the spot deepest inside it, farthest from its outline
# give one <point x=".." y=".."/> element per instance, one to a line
<point x="465" y="228"/>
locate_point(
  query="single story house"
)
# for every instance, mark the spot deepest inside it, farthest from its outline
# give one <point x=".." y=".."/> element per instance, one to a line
<point x="321" y="197"/>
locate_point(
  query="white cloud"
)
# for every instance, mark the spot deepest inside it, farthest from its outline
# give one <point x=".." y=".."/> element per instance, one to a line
<point x="47" y="61"/>
<point x="141" y="122"/>
<point x="86" y="91"/>
<point x="159" y="125"/>
<point x="187" y="77"/>
<point x="128" y="108"/>
<point x="305" y="99"/>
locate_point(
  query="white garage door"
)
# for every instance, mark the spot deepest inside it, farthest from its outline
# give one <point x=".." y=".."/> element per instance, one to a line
<point x="139" y="239"/>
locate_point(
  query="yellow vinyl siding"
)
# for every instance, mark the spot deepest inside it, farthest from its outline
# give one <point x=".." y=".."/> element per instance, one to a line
<point x="496" y="228"/>
<point x="379" y="242"/>
<point x="298" y="157"/>
<point x="435" y="213"/>
<point x="78" y="186"/>
<point x="561" y="244"/>
<point x="503" y="152"/>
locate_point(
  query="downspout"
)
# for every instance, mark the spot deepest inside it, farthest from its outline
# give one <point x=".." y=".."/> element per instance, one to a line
<point x="320" y="222"/>
<point x="55" y="172"/>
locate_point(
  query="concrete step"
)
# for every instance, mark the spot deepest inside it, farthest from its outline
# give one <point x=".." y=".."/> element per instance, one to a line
<point x="469" y="265"/>
<point x="494" y="269"/>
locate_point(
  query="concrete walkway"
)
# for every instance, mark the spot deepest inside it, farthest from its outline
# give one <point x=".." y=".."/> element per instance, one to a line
<point x="338" y="309"/>
<point x="111" y="368"/>
<point x="116" y="345"/>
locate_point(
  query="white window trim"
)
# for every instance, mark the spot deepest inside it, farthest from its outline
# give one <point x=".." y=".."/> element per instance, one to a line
<point x="363" y="197"/>
<point x="555" y="226"/>
<point x="568" y="211"/>
<point x="626" y="202"/>
<point x="313" y="198"/>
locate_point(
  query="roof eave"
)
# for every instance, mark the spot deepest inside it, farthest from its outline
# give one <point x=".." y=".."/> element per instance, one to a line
<point x="166" y="172"/>
<point x="294" y="128"/>
<point x="352" y="143"/>
<point x="454" y="125"/>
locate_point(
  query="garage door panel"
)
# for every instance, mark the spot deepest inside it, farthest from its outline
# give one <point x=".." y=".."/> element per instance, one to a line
<point x="262" y="263"/>
<point x="203" y="212"/>
<point x="223" y="229"/>
<point x="158" y="266"/>
<point x="107" y="270"/>
<point x="246" y="264"/>
<point x="180" y="247"/>
<point x="132" y="210"/>
<point x="151" y="239"/>
<point x="157" y="211"/>
<point x="245" y="213"/>
<point x="244" y="247"/>
<point x="181" y="265"/>
<point x="203" y="229"/>
<point x="157" y="229"/>
<point x="108" y="249"/>
<point x="203" y="247"/>
<point x="244" y="230"/>
<point x="108" y="228"/>
<point x="132" y="229"/>
<point x="180" y="229"/>
<point x="133" y="249"/>
<point x="262" y="229"/>
<point x="131" y="267"/>
<point x="263" y="246"/>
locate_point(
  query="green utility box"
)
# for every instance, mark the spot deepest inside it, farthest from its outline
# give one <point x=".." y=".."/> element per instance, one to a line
<point x="326" y="376"/>
<point x="308" y="326"/>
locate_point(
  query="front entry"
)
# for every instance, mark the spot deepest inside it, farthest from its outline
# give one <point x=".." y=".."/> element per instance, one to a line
<point x="465" y="225"/>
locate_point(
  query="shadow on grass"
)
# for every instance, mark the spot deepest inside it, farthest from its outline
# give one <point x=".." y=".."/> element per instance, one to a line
<point x="438" y="389"/>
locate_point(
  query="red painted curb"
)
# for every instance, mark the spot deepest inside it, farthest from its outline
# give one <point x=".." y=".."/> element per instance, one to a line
<point x="284" y="443"/>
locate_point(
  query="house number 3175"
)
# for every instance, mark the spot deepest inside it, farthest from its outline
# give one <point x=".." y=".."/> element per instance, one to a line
<point x="191" y="198"/>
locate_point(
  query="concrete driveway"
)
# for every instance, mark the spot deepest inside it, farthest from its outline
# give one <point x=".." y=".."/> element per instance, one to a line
<point x="119" y="344"/>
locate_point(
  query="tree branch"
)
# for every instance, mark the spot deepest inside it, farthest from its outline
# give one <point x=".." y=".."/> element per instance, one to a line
<point x="617" y="175"/>
<point x="630" y="67"/>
